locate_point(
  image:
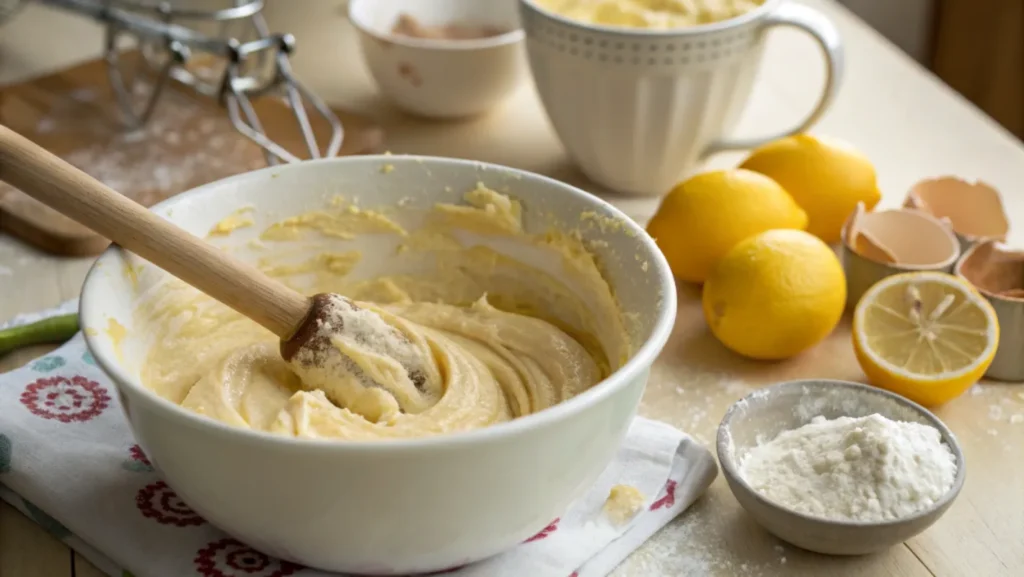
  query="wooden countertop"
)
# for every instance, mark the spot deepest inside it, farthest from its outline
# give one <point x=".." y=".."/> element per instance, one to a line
<point x="910" y="125"/>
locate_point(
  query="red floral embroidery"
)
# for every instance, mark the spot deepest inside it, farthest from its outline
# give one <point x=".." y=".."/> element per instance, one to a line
<point x="574" y="574"/>
<point x="229" y="558"/>
<point x="136" y="454"/>
<point x="65" y="400"/>
<point x="551" y="528"/>
<point x="668" y="499"/>
<point x="137" y="461"/>
<point x="158" y="502"/>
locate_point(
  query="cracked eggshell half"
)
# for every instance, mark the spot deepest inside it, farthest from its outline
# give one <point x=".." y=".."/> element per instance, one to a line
<point x="879" y="244"/>
<point x="998" y="273"/>
<point x="974" y="209"/>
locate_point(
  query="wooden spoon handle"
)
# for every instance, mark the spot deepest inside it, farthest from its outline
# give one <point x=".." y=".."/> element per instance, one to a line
<point x="77" y="195"/>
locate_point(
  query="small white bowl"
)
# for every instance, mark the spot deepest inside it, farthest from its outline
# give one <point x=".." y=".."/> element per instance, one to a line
<point x="393" y="507"/>
<point x="442" y="78"/>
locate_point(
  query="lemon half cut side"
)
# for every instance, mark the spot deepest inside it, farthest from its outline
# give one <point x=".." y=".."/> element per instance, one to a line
<point x="927" y="336"/>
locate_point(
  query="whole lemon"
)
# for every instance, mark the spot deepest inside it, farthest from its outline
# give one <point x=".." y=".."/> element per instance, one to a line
<point x="826" y="177"/>
<point x="705" y="216"/>
<point x="775" y="294"/>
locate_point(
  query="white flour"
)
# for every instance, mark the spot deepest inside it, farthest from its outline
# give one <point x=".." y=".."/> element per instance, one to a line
<point x="861" y="469"/>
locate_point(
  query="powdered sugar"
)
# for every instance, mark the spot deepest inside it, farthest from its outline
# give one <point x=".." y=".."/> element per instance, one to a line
<point x="863" y="469"/>
<point x="995" y="412"/>
<point x="702" y="391"/>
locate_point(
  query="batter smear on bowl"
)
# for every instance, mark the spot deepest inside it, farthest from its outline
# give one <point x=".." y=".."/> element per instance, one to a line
<point x="462" y="338"/>
<point x="411" y="27"/>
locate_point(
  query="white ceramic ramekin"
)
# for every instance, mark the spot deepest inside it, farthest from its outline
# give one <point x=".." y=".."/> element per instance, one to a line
<point x="635" y="108"/>
<point x="392" y="507"/>
<point x="441" y="78"/>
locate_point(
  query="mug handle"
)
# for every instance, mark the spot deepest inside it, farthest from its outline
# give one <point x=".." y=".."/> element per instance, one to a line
<point x="824" y="31"/>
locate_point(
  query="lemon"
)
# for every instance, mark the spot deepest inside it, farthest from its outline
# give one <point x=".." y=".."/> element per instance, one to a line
<point x="705" y="216"/>
<point x="826" y="177"/>
<point x="775" y="294"/>
<point x="927" y="336"/>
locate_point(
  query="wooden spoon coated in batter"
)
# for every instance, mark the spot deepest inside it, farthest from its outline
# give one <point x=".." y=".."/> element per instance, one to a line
<point x="305" y="325"/>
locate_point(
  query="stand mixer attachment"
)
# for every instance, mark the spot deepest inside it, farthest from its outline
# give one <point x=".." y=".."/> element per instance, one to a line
<point x="218" y="48"/>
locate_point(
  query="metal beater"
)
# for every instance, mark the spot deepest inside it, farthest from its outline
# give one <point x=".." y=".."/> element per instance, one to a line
<point x="235" y="61"/>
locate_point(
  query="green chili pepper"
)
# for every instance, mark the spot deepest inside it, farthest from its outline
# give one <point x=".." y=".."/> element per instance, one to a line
<point x="52" y="330"/>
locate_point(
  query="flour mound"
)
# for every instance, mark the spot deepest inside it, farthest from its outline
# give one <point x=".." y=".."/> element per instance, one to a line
<point x="853" y="469"/>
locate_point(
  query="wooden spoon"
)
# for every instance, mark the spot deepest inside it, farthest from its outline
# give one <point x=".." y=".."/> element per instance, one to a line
<point x="305" y="325"/>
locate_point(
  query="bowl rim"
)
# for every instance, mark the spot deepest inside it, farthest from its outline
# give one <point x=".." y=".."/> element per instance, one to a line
<point x="657" y="33"/>
<point x="730" y="466"/>
<point x="514" y="36"/>
<point x="92" y="316"/>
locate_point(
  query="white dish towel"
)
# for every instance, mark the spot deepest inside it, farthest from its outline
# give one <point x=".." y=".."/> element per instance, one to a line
<point x="68" y="461"/>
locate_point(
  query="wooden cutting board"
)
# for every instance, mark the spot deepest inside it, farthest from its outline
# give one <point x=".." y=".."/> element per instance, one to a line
<point x="187" y="142"/>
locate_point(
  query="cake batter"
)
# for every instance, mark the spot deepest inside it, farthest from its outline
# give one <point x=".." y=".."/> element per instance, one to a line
<point x="653" y="14"/>
<point x="494" y="339"/>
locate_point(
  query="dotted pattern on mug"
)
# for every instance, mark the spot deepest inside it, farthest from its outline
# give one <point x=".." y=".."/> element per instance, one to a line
<point x="604" y="47"/>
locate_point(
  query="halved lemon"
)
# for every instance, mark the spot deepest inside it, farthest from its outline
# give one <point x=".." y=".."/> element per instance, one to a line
<point x="927" y="336"/>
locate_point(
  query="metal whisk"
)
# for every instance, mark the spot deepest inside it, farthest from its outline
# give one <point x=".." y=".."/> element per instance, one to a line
<point x="236" y="61"/>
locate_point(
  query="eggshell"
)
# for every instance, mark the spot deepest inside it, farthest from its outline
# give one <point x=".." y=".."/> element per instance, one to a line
<point x="868" y="247"/>
<point x="998" y="274"/>
<point x="993" y="268"/>
<point x="974" y="210"/>
<point x="863" y="243"/>
<point x="879" y="244"/>
<point x="911" y="238"/>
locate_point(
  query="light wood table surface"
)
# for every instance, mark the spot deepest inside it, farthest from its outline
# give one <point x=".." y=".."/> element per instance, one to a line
<point x="909" y="124"/>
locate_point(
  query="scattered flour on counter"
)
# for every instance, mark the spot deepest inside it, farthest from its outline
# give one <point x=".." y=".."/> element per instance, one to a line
<point x="685" y="549"/>
<point x="175" y="150"/>
<point x="705" y="394"/>
<point x="84" y="94"/>
<point x="46" y="126"/>
<point x="862" y="469"/>
<point x="995" y="412"/>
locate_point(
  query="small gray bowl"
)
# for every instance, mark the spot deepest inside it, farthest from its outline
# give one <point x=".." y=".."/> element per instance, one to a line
<point x="765" y="413"/>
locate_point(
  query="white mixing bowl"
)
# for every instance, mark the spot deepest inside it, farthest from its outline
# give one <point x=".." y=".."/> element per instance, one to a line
<point x="389" y="507"/>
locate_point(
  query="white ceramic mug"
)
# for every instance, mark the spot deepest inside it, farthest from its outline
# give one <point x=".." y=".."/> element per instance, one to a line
<point x="636" y="107"/>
